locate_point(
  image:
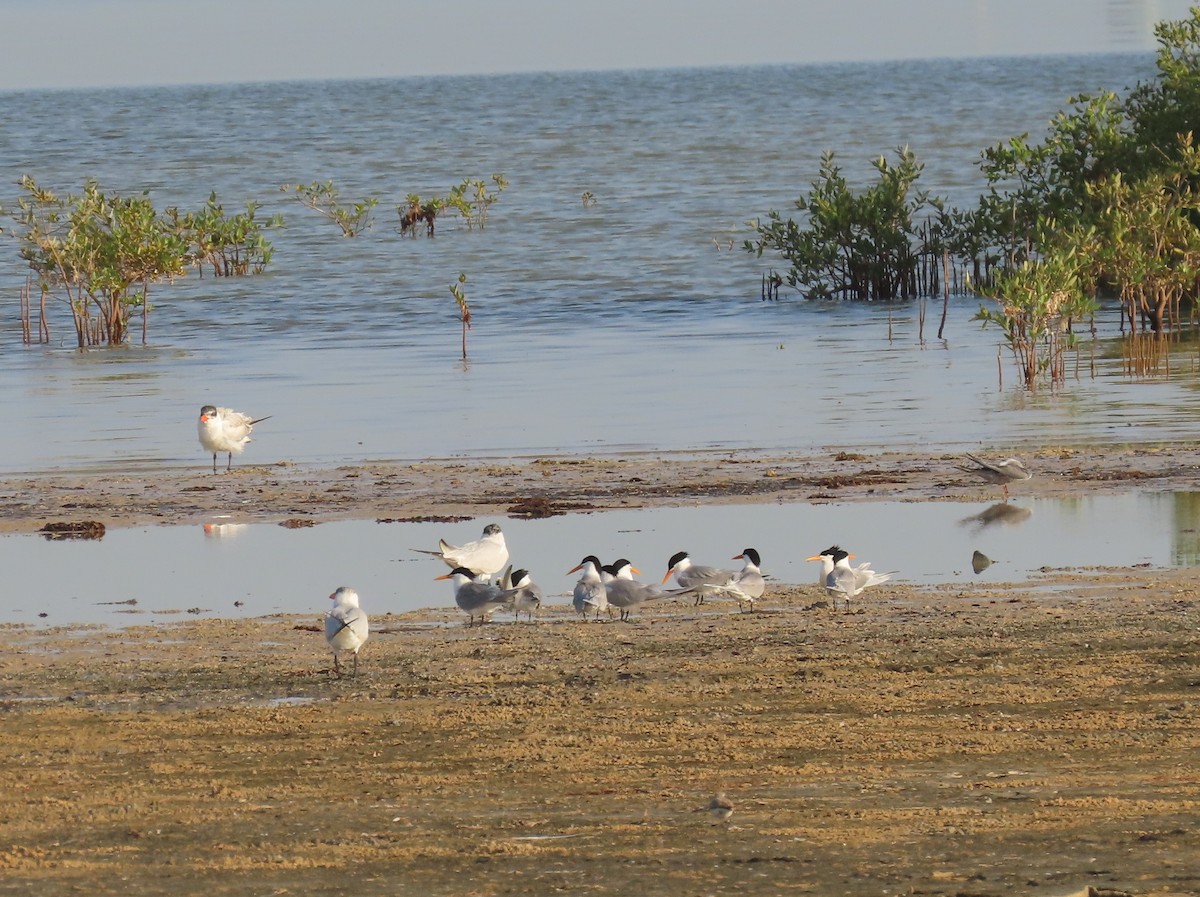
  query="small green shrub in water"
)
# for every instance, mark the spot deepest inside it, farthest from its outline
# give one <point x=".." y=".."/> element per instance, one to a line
<point x="101" y="252"/>
<point x="474" y="200"/>
<point x="854" y="246"/>
<point x="324" y="198"/>
<point x="464" y="310"/>
<point x="1037" y="302"/>
<point x="1148" y="245"/>
<point x="415" y="212"/>
<point x="229" y="245"/>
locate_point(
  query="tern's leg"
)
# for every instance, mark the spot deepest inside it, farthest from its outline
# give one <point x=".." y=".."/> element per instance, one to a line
<point x="214" y="462"/>
<point x="229" y="464"/>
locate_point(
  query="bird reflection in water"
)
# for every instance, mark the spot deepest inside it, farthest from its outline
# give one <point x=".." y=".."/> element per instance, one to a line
<point x="1001" y="512"/>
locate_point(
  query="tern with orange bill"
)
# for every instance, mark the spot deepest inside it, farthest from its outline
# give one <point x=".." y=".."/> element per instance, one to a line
<point x="842" y="580"/>
<point x="225" y="430"/>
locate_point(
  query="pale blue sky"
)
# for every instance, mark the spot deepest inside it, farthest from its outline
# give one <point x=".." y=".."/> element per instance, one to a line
<point x="68" y="43"/>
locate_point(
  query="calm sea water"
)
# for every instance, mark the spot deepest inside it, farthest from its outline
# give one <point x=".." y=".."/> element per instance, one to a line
<point x="163" y="573"/>
<point x="627" y="325"/>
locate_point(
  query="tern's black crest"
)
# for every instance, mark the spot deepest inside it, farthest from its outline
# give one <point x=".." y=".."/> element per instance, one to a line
<point x="209" y="410"/>
<point x="491" y="529"/>
<point x="832" y="549"/>
<point x="517" y="575"/>
<point x="676" y="558"/>
<point x="752" y="555"/>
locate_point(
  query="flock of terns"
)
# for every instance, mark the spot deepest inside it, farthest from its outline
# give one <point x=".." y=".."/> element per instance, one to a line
<point x="483" y="584"/>
<point x="601" y="589"/>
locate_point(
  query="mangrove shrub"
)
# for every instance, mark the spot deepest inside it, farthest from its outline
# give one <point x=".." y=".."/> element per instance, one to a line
<point x="851" y="245"/>
<point x="227" y="245"/>
<point x="101" y="252"/>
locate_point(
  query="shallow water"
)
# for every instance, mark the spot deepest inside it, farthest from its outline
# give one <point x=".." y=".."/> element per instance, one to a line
<point x="630" y="324"/>
<point x="169" y="571"/>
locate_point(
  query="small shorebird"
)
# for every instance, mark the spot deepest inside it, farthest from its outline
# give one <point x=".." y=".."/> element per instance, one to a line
<point x="346" y="626"/>
<point x="1000" y="473"/>
<point x="474" y="598"/>
<point x="840" y="579"/>
<point x="486" y="556"/>
<point x="590" y="593"/>
<point x="225" y="430"/>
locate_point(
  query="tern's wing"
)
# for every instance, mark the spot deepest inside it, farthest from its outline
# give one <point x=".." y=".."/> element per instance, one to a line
<point x="750" y="583"/>
<point x="865" y="577"/>
<point x="706" y="577"/>
<point x="987" y="465"/>
<point x="842" y="580"/>
<point x="346" y="627"/>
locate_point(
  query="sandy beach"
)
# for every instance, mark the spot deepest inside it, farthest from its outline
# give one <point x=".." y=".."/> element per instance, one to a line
<point x="1024" y="738"/>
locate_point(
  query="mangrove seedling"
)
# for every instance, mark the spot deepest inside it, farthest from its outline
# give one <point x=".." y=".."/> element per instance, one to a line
<point x="415" y="211"/>
<point x="464" y="310"/>
<point x="473" y="200"/>
<point x="323" y="198"/>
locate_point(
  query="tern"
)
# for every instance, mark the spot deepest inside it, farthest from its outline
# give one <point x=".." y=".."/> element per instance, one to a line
<point x="748" y="584"/>
<point x="474" y="598"/>
<point x="346" y="626"/>
<point x="1000" y="473"/>
<point x="524" y="595"/>
<point x="696" y="578"/>
<point x="225" y="430"/>
<point x="486" y="556"/>
<point x="624" y="592"/>
<point x="590" y="592"/>
<point x="840" y="579"/>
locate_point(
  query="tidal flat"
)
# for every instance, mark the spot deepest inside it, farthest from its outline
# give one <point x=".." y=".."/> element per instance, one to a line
<point x="1035" y="736"/>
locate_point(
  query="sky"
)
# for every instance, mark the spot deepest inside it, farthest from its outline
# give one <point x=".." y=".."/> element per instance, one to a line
<point x="104" y="43"/>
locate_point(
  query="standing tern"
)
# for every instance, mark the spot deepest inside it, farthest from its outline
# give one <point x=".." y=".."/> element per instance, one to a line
<point x="524" y="595"/>
<point x="590" y="593"/>
<point x="1000" y="473"/>
<point x="475" y="599"/>
<point x="840" y="579"/>
<point x="627" y="594"/>
<point x="225" y="430"/>
<point x="697" y="578"/>
<point x="486" y="556"/>
<point x="346" y="626"/>
<point x="748" y="584"/>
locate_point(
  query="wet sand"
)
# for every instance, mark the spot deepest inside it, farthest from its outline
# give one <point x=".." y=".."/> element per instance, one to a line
<point x="439" y="488"/>
<point x="1027" y="738"/>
